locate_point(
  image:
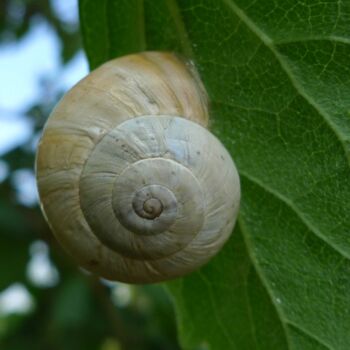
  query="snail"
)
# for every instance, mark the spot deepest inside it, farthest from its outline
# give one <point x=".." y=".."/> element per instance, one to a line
<point x="130" y="180"/>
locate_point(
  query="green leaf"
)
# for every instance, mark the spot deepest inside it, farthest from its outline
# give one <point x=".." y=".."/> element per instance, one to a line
<point x="111" y="28"/>
<point x="278" y="77"/>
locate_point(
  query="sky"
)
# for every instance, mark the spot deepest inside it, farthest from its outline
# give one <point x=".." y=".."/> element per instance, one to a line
<point x="23" y="65"/>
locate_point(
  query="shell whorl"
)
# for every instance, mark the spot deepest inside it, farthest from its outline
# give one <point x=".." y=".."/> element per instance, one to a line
<point x="132" y="184"/>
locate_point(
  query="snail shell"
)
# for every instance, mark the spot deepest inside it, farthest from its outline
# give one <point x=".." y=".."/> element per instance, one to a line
<point x="131" y="182"/>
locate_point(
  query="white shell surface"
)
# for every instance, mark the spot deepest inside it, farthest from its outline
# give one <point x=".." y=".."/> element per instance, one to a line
<point x="97" y="164"/>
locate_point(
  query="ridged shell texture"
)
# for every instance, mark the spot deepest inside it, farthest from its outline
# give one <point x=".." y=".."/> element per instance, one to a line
<point x="131" y="182"/>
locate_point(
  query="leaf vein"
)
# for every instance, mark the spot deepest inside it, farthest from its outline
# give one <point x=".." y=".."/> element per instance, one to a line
<point x="311" y="336"/>
<point x="270" y="45"/>
<point x="212" y="300"/>
<point x="291" y="205"/>
<point x="261" y="276"/>
<point x="181" y="28"/>
<point x="249" y="308"/>
<point x="332" y="38"/>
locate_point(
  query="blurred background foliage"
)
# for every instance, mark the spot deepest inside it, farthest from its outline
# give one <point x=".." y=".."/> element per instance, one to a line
<point x="46" y="302"/>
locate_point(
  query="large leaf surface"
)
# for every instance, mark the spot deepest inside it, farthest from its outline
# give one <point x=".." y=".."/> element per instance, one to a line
<point x="278" y="77"/>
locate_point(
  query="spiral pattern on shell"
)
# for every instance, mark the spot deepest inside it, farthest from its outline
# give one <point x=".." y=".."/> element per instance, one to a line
<point x="132" y="183"/>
